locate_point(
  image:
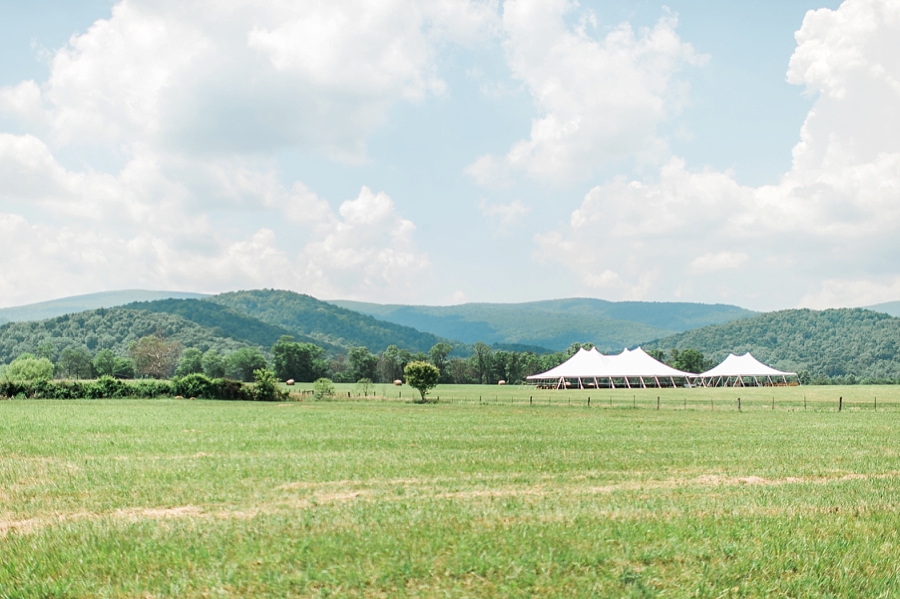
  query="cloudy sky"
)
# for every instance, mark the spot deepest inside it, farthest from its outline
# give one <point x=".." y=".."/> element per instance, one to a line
<point x="453" y="150"/>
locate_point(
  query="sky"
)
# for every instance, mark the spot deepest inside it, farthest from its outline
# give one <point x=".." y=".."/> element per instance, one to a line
<point x="453" y="151"/>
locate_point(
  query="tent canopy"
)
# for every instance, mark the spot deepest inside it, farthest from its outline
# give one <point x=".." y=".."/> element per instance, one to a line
<point x="745" y="365"/>
<point x="592" y="364"/>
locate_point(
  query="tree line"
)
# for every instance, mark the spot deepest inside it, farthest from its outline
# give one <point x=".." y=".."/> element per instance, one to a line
<point x="153" y="356"/>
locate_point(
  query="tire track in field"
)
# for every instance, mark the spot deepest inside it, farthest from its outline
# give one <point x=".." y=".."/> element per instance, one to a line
<point x="337" y="492"/>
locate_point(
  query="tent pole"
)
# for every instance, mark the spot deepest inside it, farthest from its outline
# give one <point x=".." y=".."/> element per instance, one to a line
<point x="627" y="382"/>
<point x="612" y="384"/>
<point x="580" y="386"/>
<point x="658" y="386"/>
<point x="643" y="384"/>
<point x="756" y="380"/>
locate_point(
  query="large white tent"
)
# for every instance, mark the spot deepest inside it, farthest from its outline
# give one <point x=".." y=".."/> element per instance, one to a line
<point x="591" y="369"/>
<point x="736" y="371"/>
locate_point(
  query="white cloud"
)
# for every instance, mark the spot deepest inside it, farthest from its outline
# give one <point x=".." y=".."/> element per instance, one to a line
<point x="189" y="101"/>
<point x="601" y="99"/>
<point x="245" y="76"/>
<point x="710" y="262"/>
<point x="826" y="231"/>
<point x="852" y="293"/>
<point x="504" y="215"/>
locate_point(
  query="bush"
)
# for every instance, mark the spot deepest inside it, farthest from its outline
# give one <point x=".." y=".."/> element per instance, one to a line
<point x="323" y="388"/>
<point x="107" y="387"/>
<point x="266" y="386"/>
<point x="29" y="368"/>
<point x="194" y="385"/>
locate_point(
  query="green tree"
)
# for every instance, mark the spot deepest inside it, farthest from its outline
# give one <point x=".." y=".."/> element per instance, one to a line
<point x="323" y="388"/>
<point x="362" y="364"/>
<point x="482" y="360"/>
<point x="438" y="355"/>
<point x="75" y="363"/>
<point x="123" y="369"/>
<point x="191" y="362"/>
<point x="27" y="367"/>
<point x="45" y="350"/>
<point x="690" y="360"/>
<point x="422" y="377"/>
<point x="389" y="368"/>
<point x="154" y="356"/>
<point x="363" y="386"/>
<point x="213" y="364"/>
<point x="105" y="363"/>
<point x="299" y="361"/>
<point x="242" y="363"/>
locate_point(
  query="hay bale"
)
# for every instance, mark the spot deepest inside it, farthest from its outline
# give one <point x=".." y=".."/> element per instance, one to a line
<point x="289" y="382"/>
<point x="398" y="383"/>
<point x="501" y="382"/>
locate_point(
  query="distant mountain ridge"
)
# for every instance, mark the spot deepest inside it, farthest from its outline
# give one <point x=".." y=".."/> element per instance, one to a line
<point x="90" y="301"/>
<point x="892" y="308"/>
<point x="555" y="324"/>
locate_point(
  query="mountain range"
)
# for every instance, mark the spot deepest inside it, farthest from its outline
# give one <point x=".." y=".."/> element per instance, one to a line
<point x="555" y="324"/>
<point x="828" y="343"/>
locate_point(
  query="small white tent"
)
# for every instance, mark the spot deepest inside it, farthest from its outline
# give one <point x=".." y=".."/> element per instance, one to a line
<point x="593" y="369"/>
<point x="735" y="370"/>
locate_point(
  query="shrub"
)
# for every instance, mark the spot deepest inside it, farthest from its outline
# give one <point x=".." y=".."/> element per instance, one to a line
<point x="323" y="388"/>
<point x="194" y="385"/>
<point x="29" y="368"/>
<point x="266" y="386"/>
<point x="109" y="387"/>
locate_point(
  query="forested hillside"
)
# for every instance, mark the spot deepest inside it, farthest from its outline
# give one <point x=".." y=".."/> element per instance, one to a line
<point x="113" y="329"/>
<point x="843" y="343"/>
<point x="226" y="322"/>
<point x="324" y="322"/>
<point x="555" y="324"/>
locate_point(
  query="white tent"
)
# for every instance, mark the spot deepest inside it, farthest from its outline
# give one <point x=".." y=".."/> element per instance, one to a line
<point x="734" y="370"/>
<point x="593" y="369"/>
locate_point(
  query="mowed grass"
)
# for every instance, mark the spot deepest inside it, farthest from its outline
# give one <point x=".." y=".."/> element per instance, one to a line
<point x="166" y="498"/>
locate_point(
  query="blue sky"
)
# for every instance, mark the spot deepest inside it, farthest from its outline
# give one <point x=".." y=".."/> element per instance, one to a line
<point x="453" y="151"/>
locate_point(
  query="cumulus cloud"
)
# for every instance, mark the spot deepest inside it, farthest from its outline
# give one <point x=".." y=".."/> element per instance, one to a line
<point x="601" y="99"/>
<point x="837" y="210"/>
<point x="244" y="75"/>
<point x="504" y="216"/>
<point x="189" y="101"/>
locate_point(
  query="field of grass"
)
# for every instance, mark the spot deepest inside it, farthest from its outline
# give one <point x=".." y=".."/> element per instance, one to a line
<point x="176" y="498"/>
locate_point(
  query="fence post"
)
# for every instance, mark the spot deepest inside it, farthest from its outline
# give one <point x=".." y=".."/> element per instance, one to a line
<point x="739" y="404"/>
<point x="531" y="400"/>
<point x="840" y="403"/>
<point x="589" y="401"/>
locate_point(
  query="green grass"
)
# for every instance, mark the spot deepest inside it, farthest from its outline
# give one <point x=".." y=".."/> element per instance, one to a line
<point x="165" y="498"/>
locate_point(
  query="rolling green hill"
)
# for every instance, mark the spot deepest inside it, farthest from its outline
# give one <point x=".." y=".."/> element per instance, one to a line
<point x="226" y="322"/>
<point x="80" y="303"/>
<point x="555" y="324"/>
<point x="326" y="323"/>
<point x="827" y="343"/>
<point x="113" y="328"/>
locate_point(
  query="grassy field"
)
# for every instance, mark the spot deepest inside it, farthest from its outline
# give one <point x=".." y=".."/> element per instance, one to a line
<point x="166" y="498"/>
